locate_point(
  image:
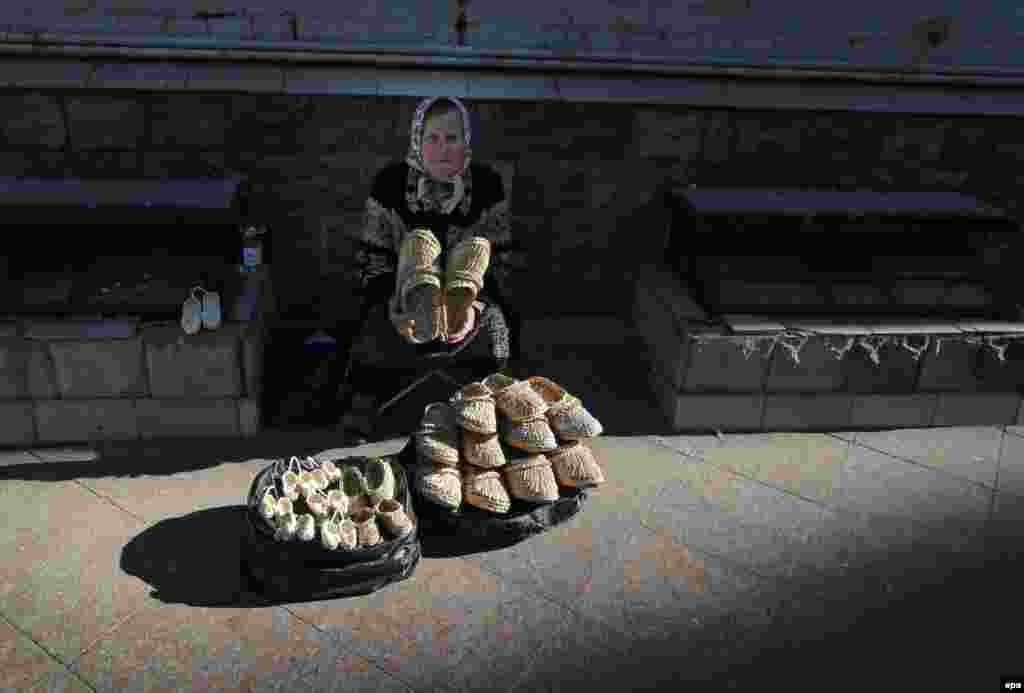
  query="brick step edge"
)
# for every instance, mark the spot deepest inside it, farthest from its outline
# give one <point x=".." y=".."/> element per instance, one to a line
<point x="695" y="412"/>
<point x="45" y="421"/>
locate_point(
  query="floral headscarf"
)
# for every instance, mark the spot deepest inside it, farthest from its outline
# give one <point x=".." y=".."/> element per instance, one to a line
<point x="423" y="191"/>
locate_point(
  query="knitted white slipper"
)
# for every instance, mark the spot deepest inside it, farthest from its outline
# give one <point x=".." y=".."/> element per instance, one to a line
<point x="211" y="313"/>
<point x="191" y="314"/>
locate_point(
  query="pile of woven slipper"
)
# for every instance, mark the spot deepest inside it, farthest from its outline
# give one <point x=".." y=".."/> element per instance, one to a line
<point x="340" y="504"/>
<point x="503" y="439"/>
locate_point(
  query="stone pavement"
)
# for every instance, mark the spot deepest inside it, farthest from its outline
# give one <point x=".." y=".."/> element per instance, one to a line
<point x="806" y="560"/>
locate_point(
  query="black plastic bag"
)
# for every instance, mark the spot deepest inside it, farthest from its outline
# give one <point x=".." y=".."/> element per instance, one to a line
<point x="484" y="528"/>
<point x="307" y="570"/>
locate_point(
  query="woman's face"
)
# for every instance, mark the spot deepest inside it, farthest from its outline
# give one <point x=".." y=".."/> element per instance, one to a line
<point x="444" y="148"/>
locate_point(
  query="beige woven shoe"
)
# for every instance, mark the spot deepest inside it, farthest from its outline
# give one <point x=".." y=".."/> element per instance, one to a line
<point x="367" y="532"/>
<point x="439" y="484"/>
<point x="532" y="480"/>
<point x="532" y="435"/>
<point x="393" y="517"/>
<point x="482" y="450"/>
<point x="475" y="409"/>
<point x="515" y="399"/>
<point x="437" y="438"/>
<point x="574" y="466"/>
<point x="569" y="419"/>
<point x="418" y="284"/>
<point x="485" y="489"/>
<point x="464" y="278"/>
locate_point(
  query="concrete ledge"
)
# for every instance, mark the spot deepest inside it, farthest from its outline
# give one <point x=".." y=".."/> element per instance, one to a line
<point x="86" y="420"/>
<point x="714" y="411"/>
<point x="57" y="72"/>
<point x="818" y="371"/>
<point x="99" y="368"/>
<point x="13" y="375"/>
<point x="204" y="365"/>
<point x="655" y="324"/>
<point x="253" y="350"/>
<point x="81" y="329"/>
<point x="807" y="411"/>
<point x="17" y="424"/>
<point x="139" y="75"/>
<point x="663" y="283"/>
<point x="715" y="86"/>
<point x="169" y="418"/>
<point x="720" y="365"/>
<point x="897" y="411"/>
<point x="976" y="409"/>
<point x="249" y="417"/>
<point x="235" y="77"/>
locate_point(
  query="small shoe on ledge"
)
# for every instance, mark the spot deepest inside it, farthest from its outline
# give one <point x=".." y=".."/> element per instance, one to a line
<point x="191" y="314"/>
<point x="211" y="311"/>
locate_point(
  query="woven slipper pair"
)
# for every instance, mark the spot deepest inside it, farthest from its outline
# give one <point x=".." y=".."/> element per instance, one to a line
<point x="484" y="489"/>
<point x="464" y="278"/>
<point x="200" y="309"/>
<point x="419" y="284"/>
<point x="532" y="479"/>
<point x="476" y="414"/>
<point x="523" y="424"/>
<point x="568" y="418"/>
<point x="438" y="311"/>
<point x="438" y="483"/>
<point x="437" y="438"/>
<point x="574" y="466"/>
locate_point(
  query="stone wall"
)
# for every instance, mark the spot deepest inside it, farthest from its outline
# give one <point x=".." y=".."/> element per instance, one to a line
<point x="582" y="177"/>
<point x="67" y="381"/>
<point x="704" y="384"/>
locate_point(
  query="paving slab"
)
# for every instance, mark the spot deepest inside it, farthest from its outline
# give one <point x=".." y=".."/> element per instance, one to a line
<point x="720" y="563"/>
<point x="807" y="465"/>
<point x="154" y="497"/>
<point x="747" y="521"/>
<point x="175" y="647"/>
<point x="61" y="584"/>
<point x="57" y="680"/>
<point x="1011" y="463"/>
<point x="455" y="626"/>
<point x="876" y="483"/>
<point x="633" y="560"/>
<point x="22" y="661"/>
<point x="969" y="452"/>
<point x="1006" y="528"/>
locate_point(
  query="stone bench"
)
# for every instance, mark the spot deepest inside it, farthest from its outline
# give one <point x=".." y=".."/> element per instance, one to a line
<point x="705" y="382"/>
<point x="64" y="381"/>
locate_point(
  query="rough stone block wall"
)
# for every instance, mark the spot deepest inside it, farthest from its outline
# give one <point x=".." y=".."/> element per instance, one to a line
<point x="155" y="383"/>
<point x="707" y="385"/>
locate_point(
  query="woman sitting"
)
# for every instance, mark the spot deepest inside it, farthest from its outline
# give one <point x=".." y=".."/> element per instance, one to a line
<point x="434" y="253"/>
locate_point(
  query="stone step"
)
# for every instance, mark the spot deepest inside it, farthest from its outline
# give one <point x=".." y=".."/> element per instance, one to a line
<point x="704" y="378"/>
<point x="55" y="421"/>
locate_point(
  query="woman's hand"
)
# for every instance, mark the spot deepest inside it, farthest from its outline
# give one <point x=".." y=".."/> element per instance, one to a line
<point x="404" y="324"/>
<point x="470" y="322"/>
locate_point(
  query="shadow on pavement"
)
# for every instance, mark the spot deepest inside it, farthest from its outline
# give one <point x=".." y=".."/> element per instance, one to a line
<point x="194" y="559"/>
<point x="909" y="620"/>
<point x="176" y="455"/>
